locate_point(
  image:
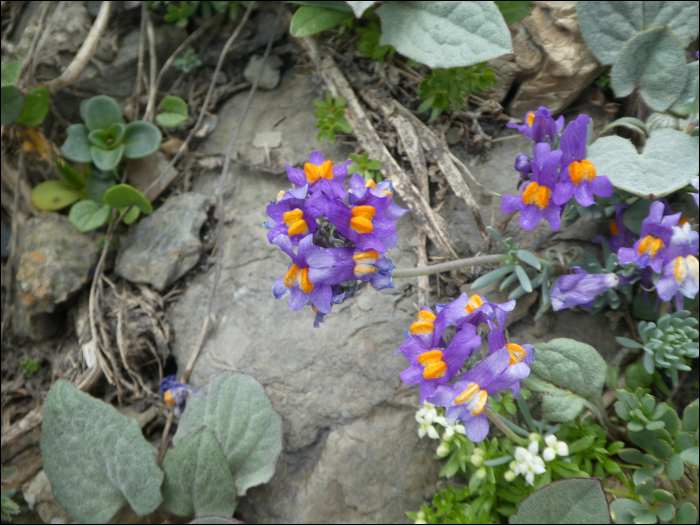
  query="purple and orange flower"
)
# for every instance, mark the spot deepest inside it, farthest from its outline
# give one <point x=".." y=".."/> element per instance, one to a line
<point x="540" y="126"/>
<point x="337" y="265"/>
<point x="518" y="354"/>
<point x="656" y="233"/>
<point x="622" y="237"/>
<point x="476" y="310"/>
<point x="320" y="175"/>
<point x="581" y="288"/>
<point x="360" y="190"/>
<point x="175" y="393"/>
<point x="291" y="216"/>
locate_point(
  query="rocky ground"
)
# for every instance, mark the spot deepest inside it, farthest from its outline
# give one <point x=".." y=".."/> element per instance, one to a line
<point x="351" y="450"/>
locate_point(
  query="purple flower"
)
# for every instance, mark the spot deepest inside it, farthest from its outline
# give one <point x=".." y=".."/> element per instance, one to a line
<point x="535" y="202"/>
<point x="467" y="397"/>
<point x="336" y="265"/>
<point x="695" y="183"/>
<point x="540" y="127"/>
<point x="523" y="165"/>
<point x="291" y="216"/>
<point x="321" y="175"/>
<point x="476" y="310"/>
<point x="518" y="354"/>
<point x="578" y="175"/>
<point x="680" y="277"/>
<point x="580" y="288"/>
<point x="622" y="237"/>
<point x="175" y="393"/>
<point x="432" y="366"/>
<point x="652" y="247"/>
<point x="684" y="240"/>
<point x="365" y="225"/>
<point x="297" y="282"/>
<point x="360" y="190"/>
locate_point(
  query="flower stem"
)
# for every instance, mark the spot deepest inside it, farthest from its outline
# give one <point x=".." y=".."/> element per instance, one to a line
<point x="508" y="432"/>
<point x="403" y="273"/>
<point x="620" y="493"/>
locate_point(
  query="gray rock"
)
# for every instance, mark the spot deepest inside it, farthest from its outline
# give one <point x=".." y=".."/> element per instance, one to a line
<point x="52" y="263"/>
<point x="164" y="246"/>
<point x="288" y="110"/>
<point x="270" y="77"/>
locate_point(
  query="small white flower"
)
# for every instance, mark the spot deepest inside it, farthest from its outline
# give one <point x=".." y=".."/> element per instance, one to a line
<point x="443" y="449"/>
<point x="460" y="429"/>
<point x="521" y="454"/>
<point x="554" y="448"/>
<point x="509" y="475"/>
<point x="426" y="428"/>
<point x="534" y="468"/>
<point x="448" y="434"/>
<point x="439" y="420"/>
<point x="534" y="447"/>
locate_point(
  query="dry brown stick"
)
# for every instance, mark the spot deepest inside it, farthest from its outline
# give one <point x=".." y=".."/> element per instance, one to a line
<point x="30" y="59"/>
<point x="152" y="90"/>
<point x="433" y="144"/>
<point x="23" y="187"/>
<point x="21" y="427"/>
<point x="367" y="136"/>
<point x="220" y="200"/>
<point x="136" y="95"/>
<point x="164" y="438"/>
<point x="154" y="189"/>
<point x="81" y="59"/>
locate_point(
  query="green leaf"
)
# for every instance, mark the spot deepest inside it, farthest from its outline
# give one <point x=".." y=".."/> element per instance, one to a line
<point x="585" y="503"/>
<point x="492" y="276"/>
<point x="529" y="258"/>
<point x="419" y="30"/>
<point x="197" y="479"/>
<point x="523" y="278"/>
<point x="636" y="376"/>
<point x="664" y="496"/>
<point x="621" y="510"/>
<point x="690" y="417"/>
<point x="683" y="106"/>
<point x="77" y="146"/>
<point x="141" y="139"/>
<point x="88" y="215"/>
<point x="656" y="442"/>
<point x="236" y="408"/>
<point x="53" y="195"/>
<point x="635" y="215"/>
<point x="101" y="112"/>
<point x="631" y="455"/>
<point x="96" y="459"/>
<point x="687" y="513"/>
<point x="176" y="112"/>
<point x="95" y="187"/>
<point x="674" y="468"/>
<point x="9" y="73"/>
<point x="665" y="513"/>
<point x="131" y="215"/>
<point x="690" y="456"/>
<point x="644" y="306"/>
<point x="669" y="162"/>
<point x="108" y="138"/>
<point x="571" y="374"/>
<point x="309" y="20"/>
<point x="581" y="444"/>
<point x="123" y="195"/>
<point x="606" y="26"/>
<point x="655" y="61"/>
<point x="12" y="104"/>
<point x="514" y="11"/>
<point x="684" y="440"/>
<point x="69" y="174"/>
<point x="672" y="422"/>
<point x="107" y="159"/>
<point x="631" y="123"/>
<point x="360" y="7"/>
<point x="36" y="107"/>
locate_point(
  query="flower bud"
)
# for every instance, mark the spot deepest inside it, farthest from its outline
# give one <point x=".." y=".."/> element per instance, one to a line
<point x="479" y="452"/>
<point x="477" y="460"/>
<point x="481" y="473"/>
<point x="443" y="449"/>
<point x="509" y="475"/>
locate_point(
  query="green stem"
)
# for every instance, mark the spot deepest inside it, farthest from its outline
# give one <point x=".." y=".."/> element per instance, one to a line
<point x="621" y="493"/>
<point x="508" y="432"/>
<point x="404" y="273"/>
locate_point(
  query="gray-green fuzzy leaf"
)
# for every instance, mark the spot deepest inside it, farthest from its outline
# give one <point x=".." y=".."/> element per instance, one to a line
<point x="687" y="513"/>
<point x="96" y="459"/>
<point x="77" y="147"/>
<point x="87" y="215"/>
<point x="101" y="112"/>
<point x="236" y="408"/>
<point x="669" y="162"/>
<point x="360" y="7"/>
<point x="684" y="104"/>
<point x="655" y="61"/>
<point x="606" y="26"/>
<point x="141" y="139"/>
<point x="445" y="34"/>
<point x="585" y="503"/>
<point x="198" y="481"/>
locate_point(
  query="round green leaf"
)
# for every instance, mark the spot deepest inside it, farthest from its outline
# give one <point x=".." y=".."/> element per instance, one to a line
<point x="131" y="215"/>
<point x="170" y="120"/>
<point x="77" y="147"/>
<point x="9" y="73"/>
<point x="622" y="509"/>
<point x="36" y="107"/>
<point x="669" y="162"/>
<point x="107" y="159"/>
<point x="69" y="174"/>
<point x="12" y="104"/>
<point x="656" y="442"/>
<point x="445" y="34"/>
<point x="101" y="112"/>
<point x="674" y="468"/>
<point x="123" y="195"/>
<point x="236" y="408"/>
<point x="687" y="514"/>
<point x="141" y="139"/>
<point x="95" y="187"/>
<point x="690" y="417"/>
<point x="96" y="459"/>
<point x="309" y="20"/>
<point x="585" y="503"/>
<point x="54" y="195"/>
<point x="655" y="61"/>
<point x="87" y="215"/>
<point x="684" y="105"/>
<point x="514" y="11"/>
<point x="631" y="455"/>
<point x="197" y="479"/>
<point x="690" y="456"/>
<point x="176" y="112"/>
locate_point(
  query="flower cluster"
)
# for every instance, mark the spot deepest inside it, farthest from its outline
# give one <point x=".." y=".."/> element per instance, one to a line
<point x="528" y="463"/>
<point x="434" y="361"/>
<point x="554" y="176"/>
<point x="336" y="239"/>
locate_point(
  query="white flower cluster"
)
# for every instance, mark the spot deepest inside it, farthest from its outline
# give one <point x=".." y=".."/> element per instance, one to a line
<point x="527" y="461"/>
<point x="427" y="416"/>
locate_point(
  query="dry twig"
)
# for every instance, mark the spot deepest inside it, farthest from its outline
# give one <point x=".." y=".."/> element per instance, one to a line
<point x="152" y="89"/>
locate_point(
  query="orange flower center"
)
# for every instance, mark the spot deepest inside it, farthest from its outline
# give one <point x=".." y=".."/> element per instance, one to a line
<point x="530" y="118"/>
<point x="614" y="229"/>
<point x="364" y="262"/>
<point x="361" y="221"/>
<point x="650" y="245"/>
<point x="536" y="195"/>
<point x="475" y="396"/>
<point x="474" y="302"/>
<point x="421" y="328"/>
<point x="293" y="219"/>
<point x="683" y="221"/>
<point x="298" y="277"/>
<point x="432" y="362"/>
<point x="517" y="353"/>
<point x="169" y="398"/>
<point x="581" y="171"/>
<point x="313" y="172"/>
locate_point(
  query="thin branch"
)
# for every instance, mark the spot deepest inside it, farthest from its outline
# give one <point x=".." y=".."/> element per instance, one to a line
<point x="152" y="89"/>
<point x="72" y="72"/>
<point x="403" y="273"/>
<point x="139" y="68"/>
<point x="220" y="199"/>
